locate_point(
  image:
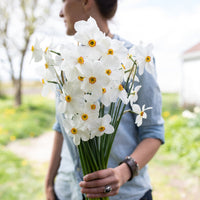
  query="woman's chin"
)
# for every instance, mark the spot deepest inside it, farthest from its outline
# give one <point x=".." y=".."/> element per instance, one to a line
<point x="70" y="31"/>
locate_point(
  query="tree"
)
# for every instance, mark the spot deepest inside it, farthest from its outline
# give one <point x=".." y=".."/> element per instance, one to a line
<point x="19" y="19"/>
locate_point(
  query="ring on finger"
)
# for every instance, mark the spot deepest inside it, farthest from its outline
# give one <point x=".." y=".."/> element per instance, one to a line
<point x="107" y="189"/>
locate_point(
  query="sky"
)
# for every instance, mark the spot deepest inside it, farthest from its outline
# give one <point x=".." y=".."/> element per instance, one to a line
<point x="172" y="27"/>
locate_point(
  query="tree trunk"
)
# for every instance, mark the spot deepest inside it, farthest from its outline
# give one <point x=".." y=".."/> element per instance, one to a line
<point x="18" y="92"/>
<point x="1" y="93"/>
<point x="18" y="89"/>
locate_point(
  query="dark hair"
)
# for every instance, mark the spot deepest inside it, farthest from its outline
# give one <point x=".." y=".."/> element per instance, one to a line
<point x="107" y="7"/>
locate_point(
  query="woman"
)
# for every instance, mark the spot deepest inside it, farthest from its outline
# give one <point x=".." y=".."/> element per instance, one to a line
<point x="139" y="144"/>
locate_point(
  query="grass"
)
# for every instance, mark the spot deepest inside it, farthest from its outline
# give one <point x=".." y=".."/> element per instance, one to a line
<point x="175" y="169"/>
<point x="182" y="134"/>
<point x="32" y="118"/>
<point x="18" y="179"/>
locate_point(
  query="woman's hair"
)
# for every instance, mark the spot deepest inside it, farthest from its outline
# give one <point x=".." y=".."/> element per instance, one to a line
<point x="107" y="8"/>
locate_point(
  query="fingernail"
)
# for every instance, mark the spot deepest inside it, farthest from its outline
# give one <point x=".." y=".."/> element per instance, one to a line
<point x="81" y="183"/>
<point x="85" y="178"/>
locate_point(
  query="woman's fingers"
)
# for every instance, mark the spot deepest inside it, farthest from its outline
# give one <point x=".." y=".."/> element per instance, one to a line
<point x="94" y="184"/>
<point x="98" y="182"/>
<point x="99" y="174"/>
<point x="102" y="195"/>
<point x="99" y="192"/>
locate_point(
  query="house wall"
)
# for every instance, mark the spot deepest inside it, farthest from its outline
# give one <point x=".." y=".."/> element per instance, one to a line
<point x="190" y="83"/>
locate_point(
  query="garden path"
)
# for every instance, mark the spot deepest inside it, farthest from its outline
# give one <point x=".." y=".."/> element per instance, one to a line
<point x="34" y="149"/>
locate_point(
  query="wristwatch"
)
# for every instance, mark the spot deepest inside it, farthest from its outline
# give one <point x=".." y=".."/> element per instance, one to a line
<point x="132" y="165"/>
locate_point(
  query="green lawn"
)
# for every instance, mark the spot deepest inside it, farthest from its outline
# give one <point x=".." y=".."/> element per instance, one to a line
<point x="182" y="134"/>
<point x="29" y="120"/>
<point x="18" y="179"/>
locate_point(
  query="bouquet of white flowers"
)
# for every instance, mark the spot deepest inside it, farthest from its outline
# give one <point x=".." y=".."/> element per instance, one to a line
<point x="95" y="80"/>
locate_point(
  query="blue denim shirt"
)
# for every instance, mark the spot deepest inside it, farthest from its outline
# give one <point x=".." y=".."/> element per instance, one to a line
<point x="127" y="138"/>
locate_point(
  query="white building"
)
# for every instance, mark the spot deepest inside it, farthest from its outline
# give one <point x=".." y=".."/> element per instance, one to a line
<point x="190" y="77"/>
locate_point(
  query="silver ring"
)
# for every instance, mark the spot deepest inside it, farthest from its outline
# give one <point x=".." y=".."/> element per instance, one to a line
<point x="107" y="189"/>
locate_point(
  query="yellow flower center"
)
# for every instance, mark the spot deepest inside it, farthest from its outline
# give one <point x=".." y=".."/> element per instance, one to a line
<point x="133" y="93"/>
<point x="80" y="60"/>
<point x="123" y="66"/>
<point x="130" y="56"/>
<point x="46" y="49"/>
<point x="108" y="72"/>
<point x="32" y="48"/>
<point x="80" y="78"/>
<point x="148" y="59"/>
<point x="46" y="66"/>
<point x="110" y="52"/>
<point x="120" y="87"/>
<point x="68" y="98"/>
<point x="102" y="128"/>
<point x="141" y="114"/>
<point x="74" y="131"/>
<point x="92" y="43"/>
<point x="92" y="80"/>
<point x="93" y="106"/>
<point x="43" y="81"/>
<point x="103" y="90"/>
<point x="84" y="117"/>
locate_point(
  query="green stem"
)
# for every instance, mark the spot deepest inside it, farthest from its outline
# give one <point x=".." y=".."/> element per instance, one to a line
<point x="59" y="54"/>
<point x="83" y="164"/>
<point x="91" y="156"/>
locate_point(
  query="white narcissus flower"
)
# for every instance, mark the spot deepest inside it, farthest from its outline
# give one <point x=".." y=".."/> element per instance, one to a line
<point x="93" y="107"/>
<point x="37" y="52"/>
<point x="94" y="80"/>
<point x="101" y="126"/>
<point x="58" y="60"/>
<point x="47" y="87"/>
<point x="134" y="94"/>
<point x="112" y="68"/>
<point x="141" y="114"/>
<point x="75" y="129"/>
<point x="115" y="48"/>
<point x="87" y="113"/>
<point x="89" y="35"/>
<point x="106" y="97"/>
<point x="48" y="69"/>
<point x="118" y="91"/>
<point x="73" y="56"/>
<point x="144" y="58"/>
<point x="70" y="99"/>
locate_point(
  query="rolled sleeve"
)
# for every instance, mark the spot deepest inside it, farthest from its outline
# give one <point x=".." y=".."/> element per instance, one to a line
<point x="156" y="132"/>
<point x="56" y="127"/>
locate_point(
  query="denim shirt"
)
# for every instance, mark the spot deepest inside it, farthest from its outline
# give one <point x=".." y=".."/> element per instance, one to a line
<point x="126" y="140"/>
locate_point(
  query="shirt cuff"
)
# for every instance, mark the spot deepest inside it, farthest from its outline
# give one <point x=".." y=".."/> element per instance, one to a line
<point x="154" y="131"/>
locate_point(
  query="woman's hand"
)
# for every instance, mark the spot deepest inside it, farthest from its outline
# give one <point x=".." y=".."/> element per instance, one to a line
<point x="93" y="184"/>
